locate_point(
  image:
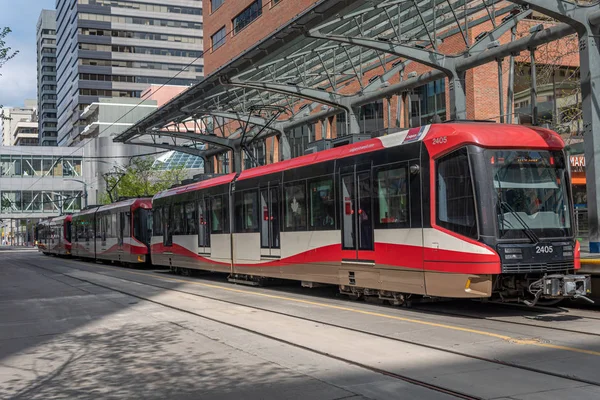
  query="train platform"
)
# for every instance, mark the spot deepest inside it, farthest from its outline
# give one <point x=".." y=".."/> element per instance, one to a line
<point x="75" y="329"/>
<point x="590" y="264"/>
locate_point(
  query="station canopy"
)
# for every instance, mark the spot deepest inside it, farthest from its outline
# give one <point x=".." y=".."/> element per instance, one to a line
<point x="332" y="58"/>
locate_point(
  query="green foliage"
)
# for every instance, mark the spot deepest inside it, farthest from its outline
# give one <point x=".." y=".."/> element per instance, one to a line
<point x="6" y="53"/>
<point x="140" y="179"/>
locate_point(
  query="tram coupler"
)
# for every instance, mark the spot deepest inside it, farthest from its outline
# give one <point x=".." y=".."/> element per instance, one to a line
<point x="561" y="286"/>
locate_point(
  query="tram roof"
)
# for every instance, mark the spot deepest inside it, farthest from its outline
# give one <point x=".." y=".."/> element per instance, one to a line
<point x="491" y="135"/>
<point x="124" y="203"/>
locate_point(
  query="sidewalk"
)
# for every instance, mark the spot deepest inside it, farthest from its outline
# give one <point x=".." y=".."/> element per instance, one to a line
<point x="590" y="262"/>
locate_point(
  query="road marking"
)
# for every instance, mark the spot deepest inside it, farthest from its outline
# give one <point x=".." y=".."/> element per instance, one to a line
<point x="510" y="339"/>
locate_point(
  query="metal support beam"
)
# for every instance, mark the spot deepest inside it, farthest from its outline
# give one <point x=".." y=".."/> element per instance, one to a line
<point x="320" y="96"/>
<point x="441" y="62"/>
<point x="216" y="140"/>
<point x="500" y="92"/>
<point x="585" y="20"/>
<point x="254" y="120"/>
<point x="181" y="149"/>
<point x="533" y="101"/>
<point x="510" y="93"/>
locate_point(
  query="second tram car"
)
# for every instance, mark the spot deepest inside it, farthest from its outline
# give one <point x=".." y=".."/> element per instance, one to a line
<point x="54" y="236"/>
<point x="462" y="210"/>
<point x="118" y="232"/>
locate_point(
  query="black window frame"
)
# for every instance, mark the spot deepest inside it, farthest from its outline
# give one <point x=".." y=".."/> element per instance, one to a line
<point x="464" y="230"/>
<point x="215" y="44"/>
<point x="178" y="219"/>
<point x="242" y="214"/>
<point x="191" y="218"/>
<point x="294" y="227"/>
<point x="214" y="8"/>
<point x="207" y="210"/>
<point x="157" y="225"/>
<point x="377" y="198"/>
<point x="224" y="229"/>
<point x="248" y="15"/>
<point x="322" y="180"/>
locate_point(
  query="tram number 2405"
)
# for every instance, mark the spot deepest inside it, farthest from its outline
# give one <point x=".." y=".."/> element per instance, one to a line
<point x="440" y="140"/>
<point x="544" y="249"/>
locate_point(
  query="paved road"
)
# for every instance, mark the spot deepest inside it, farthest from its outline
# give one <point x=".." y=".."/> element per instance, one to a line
<point x="70" y="329"/>
<point x="61" y="338"/>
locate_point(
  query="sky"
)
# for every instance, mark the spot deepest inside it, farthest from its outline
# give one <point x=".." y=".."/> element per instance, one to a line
<point x="18" y="80"/>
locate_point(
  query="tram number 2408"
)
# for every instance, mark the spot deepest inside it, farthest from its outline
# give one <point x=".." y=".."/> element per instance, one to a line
<point x="544" y="249"/>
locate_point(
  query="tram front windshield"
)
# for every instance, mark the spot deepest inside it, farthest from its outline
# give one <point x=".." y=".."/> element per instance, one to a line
<point x="532" y="197"/>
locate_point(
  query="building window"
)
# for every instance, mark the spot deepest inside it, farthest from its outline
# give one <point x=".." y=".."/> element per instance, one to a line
<point x="244" y="18"/>
<point x="299" y="138"/>
<point x="426" y="102"/>
<point x="215" y="4"/>
<point x="218" y="39"/>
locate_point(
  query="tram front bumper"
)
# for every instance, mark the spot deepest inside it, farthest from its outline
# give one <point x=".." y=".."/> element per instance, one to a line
<point x="566" y="286"/>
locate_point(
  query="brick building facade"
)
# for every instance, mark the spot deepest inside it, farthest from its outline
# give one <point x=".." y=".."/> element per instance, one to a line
<point x="234" y="26"/>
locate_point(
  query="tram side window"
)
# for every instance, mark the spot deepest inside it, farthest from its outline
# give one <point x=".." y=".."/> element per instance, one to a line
<point x="89" y="229"/>
<point x="295" y="207"/>
<point x="322" y="204"/>
<point x="157" y="229"/>
<point x="455" y="201"/>
<point x="178" y="219"/>
<point x="191" y="220"/>
<point x="392" y="198"/>
<point x="125" y="231"/>
<point x="113" y="226"/>
<point x="246" y="211"/>
<point x="218" y="215"/>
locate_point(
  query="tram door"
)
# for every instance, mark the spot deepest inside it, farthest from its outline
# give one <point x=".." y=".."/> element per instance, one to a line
<point x="269" y="225"/>
<point x="203" y="226"/>
<point x="357" y="218"/>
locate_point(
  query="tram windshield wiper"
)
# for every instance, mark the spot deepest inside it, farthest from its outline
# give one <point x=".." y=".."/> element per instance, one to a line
<point x="528" y="231"/>
<point x="503" y="204"/>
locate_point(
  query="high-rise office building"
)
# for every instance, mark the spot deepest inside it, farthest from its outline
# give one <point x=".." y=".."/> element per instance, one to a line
<point x="46" y="77"/>
<point x="110" y="48"/>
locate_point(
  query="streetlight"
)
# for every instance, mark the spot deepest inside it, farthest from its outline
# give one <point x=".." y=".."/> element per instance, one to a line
<point x="85" y="193"/>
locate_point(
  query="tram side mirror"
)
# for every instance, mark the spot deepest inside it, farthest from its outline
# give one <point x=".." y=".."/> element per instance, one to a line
<point x="415" y="169"/>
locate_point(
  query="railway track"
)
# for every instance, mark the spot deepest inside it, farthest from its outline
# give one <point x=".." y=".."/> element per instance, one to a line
<point x="318" y="321"/>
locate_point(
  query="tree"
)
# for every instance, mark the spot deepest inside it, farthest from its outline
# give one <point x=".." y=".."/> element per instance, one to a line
<point x="6" y="53"/>
<point x="140" y="179"/>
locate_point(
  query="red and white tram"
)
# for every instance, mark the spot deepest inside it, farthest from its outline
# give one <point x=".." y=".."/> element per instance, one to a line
<point x="118" y="232"/>
<point x="467" y="209"/>
<point x="54" y="236"/>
